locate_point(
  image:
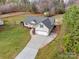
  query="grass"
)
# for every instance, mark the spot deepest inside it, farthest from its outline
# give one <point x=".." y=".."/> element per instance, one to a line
<point x="54" y="50"/>
<point x="15" y="19"/>
<point x="13" y="37"/>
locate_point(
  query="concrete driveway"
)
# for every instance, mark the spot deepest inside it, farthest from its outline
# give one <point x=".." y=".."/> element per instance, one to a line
<point x="36" y="42"/>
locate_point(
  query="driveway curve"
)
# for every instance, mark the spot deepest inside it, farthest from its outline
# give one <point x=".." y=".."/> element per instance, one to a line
<point x="33" y="46"/>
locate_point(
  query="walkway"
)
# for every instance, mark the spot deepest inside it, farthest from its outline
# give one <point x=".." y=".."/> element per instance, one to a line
<point x="36" y="42"/>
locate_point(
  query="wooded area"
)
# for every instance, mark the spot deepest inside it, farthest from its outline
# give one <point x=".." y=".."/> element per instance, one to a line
<point x="71" y="30"/>
<point x="35" y="6"/>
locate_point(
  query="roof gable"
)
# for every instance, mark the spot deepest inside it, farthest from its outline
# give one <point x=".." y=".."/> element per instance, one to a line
<point x="41" y="26"/>
<point x="48" y="23"/>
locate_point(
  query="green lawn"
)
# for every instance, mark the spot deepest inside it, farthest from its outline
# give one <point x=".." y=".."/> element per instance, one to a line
<point x="54" y="50"/>
<point x="15" y="19"/>
<point x="13" y="37"/>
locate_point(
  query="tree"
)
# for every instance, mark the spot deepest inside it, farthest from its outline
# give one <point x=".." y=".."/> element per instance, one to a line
<point x="2" y="1"/>
<point x="51" y="6"/>
<point x="71" y="24"/>
<point x="59" y="6"/>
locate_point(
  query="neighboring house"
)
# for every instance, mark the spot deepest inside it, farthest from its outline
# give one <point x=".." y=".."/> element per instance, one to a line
<point x="42" y="25"/>
<point x="1" y="22"/>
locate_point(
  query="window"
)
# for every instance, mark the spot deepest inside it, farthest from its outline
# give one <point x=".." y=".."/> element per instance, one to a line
<point x="41" y="26"/>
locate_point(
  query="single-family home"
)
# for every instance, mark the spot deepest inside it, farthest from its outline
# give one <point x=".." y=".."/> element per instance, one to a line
<point x="42" y="25"/>
<point x="45" y="27"/>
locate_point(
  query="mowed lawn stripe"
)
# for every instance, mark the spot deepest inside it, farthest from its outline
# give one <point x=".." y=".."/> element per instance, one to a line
<point x="13" y="37"/>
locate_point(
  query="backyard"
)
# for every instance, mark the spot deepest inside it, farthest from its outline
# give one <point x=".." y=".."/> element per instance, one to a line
<point x="13" y="37"/>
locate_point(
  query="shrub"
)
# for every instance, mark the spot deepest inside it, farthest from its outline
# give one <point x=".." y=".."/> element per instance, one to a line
<point x="71" y="23"/>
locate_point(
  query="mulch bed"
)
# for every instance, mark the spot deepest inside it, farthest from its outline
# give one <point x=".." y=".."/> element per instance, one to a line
<point x="57" y="29"/>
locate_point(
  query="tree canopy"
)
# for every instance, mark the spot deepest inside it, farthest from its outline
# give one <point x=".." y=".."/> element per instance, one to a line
<point x="71" y="24"/>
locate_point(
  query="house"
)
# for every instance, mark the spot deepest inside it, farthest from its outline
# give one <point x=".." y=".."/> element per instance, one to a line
<point x="45" y="27"/>
<point x="42" y="25"/>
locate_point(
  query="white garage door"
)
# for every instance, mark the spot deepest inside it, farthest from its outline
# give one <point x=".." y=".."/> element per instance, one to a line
<point x="42" y="33"/>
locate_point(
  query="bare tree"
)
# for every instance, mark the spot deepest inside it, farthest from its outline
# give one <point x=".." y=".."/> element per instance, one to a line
<point x="53" y="6"/>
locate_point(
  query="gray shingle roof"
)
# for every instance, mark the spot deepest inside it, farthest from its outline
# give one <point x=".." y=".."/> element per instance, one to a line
<point x="38" y="19"/>
<point x="49" y="22"/>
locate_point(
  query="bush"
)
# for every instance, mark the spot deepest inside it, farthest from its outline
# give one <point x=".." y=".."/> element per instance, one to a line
<point x="71" y="23"/>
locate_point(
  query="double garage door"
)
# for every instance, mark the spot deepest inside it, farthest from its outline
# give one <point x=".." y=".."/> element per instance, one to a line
<point x="42" y="33"/>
